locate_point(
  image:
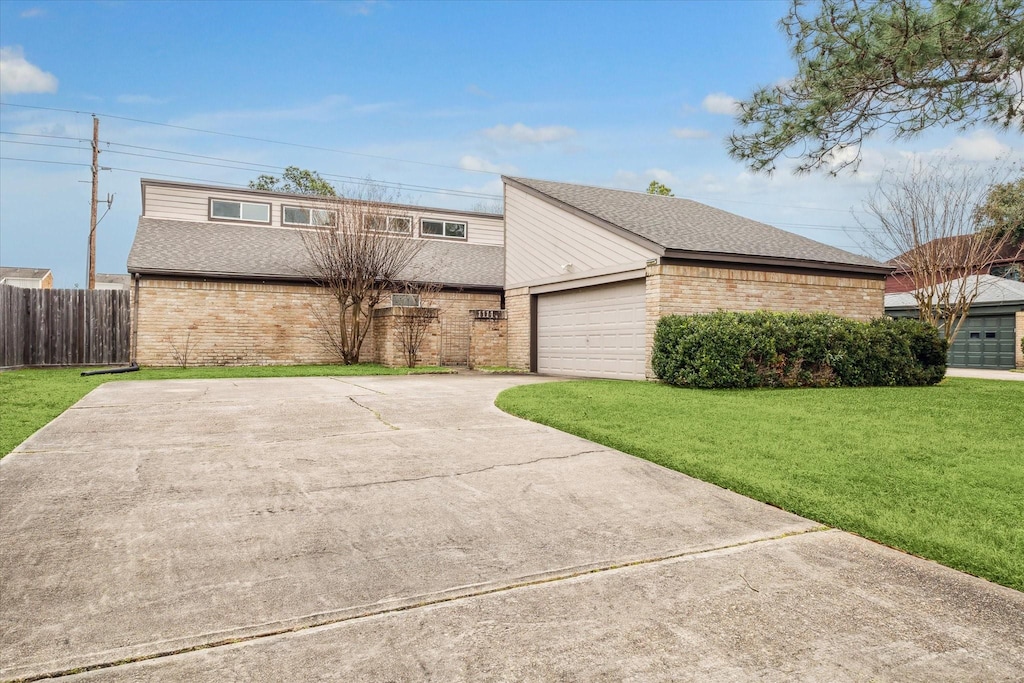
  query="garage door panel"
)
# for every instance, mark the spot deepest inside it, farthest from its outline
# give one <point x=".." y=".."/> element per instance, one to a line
<point x="984" y="341"/>
<point x="593" y="331"/>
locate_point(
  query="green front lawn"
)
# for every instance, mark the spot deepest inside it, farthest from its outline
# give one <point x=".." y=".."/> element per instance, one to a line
<point x="31" y="398"/>
<point x="935" y="471"/>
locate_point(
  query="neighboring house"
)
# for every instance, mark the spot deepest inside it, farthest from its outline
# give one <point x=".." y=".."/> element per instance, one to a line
<point x="29" y="278"/>
<point x="225" y="272"/>
<point x="589" y="271"/>
<point x="991" y="334"/>
<point x="1008" y="264"/>
<point x="113" y="281"/>
<point x="583" y="274"/>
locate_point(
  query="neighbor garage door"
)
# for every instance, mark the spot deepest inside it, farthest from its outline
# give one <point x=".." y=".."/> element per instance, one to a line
<point x="592" y="331"/>
<point x="984" y="341"/>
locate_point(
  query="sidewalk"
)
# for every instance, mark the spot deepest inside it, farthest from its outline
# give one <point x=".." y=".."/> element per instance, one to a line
<point x="978" y="373"/>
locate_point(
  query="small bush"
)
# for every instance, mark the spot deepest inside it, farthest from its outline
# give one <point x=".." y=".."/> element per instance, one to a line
<point x="762" y="349"/>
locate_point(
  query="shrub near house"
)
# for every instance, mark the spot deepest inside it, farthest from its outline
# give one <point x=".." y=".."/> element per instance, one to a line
<point x="743" y="350"/>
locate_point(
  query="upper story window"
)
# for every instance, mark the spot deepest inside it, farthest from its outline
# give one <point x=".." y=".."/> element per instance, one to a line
<point x="399" y="225"/>
<point x="436" y="228"/>
<point x="226" y="209"/>
<point x="296" y="215"/>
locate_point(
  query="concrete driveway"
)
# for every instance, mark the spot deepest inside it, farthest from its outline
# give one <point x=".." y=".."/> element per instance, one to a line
<point x="403" y="528"/>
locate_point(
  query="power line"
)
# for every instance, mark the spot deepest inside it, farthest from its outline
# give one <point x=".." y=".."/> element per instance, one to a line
<point x="44" y="161"/>
<point x="248" y="166"/>
<point x="254" y="139"/>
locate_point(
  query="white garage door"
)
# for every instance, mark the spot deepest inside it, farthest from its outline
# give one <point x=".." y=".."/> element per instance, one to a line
<point x="592" y="331"/>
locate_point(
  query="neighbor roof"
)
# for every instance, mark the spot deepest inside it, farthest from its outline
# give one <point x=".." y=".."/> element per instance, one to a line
<point x="992" y="291"/>
<point x="23" y="273"/>
<point x="683" y="228"/>
<point x="171" y="247"/>
<point x="114" y="278"/>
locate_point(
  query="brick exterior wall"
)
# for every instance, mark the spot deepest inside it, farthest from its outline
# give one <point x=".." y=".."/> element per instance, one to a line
<point x="684" y="290"/>
<point x="247" y="323"/>
<point x="488" y="343"/>
<point x="390" y="327"/>
<point x="1018" y="335"/>
<point x="517" y="304"/>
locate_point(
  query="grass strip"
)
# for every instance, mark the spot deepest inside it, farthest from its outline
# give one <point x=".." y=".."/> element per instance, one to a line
<point x="935" y="471"/>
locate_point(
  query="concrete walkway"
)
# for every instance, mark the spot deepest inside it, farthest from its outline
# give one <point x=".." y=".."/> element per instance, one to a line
<point x="402" y="528"/>
<point x="977" y="373"/>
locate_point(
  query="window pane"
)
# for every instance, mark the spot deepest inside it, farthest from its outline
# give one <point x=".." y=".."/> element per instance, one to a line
<point x="293" y="214"/>
<point x="256" y="212"/>
<point x="455" y="229"/>
<point x="432" y="228"/>
<point x="321" y="217"/>
<point x="371" y="222"/>
<point x="402" y="225"/>
<point x="222" y="209"/>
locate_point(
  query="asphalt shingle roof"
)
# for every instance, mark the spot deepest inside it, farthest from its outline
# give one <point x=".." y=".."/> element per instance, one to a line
<point x="683" y="225"/>
<point x="231" y="250"/>
<point x="992" y="291"/>
<point x="27" y="273"/>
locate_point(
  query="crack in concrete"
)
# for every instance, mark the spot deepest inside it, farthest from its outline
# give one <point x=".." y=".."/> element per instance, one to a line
<point x="326" y="619"/>
<point x="374" y="412"/>
<point x="358" y="386"/>
<point x="452" y="475"/>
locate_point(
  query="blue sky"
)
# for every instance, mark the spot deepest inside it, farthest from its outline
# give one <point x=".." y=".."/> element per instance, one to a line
<point x="449" y="94"/>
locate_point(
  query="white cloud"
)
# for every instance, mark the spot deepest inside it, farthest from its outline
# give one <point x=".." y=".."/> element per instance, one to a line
<point x="18" y="75"/>
<point x="661" y="175"/>
<point x="141" y="99"/>
<point x="522" y="133"/>
<point x="474" y="89"/>
<point x="720" y="103"/>
<point x="32" y="13"/>
<point x="690" y="133"/>
<point x="981" y="145"/>
<point x="472" y="163"/>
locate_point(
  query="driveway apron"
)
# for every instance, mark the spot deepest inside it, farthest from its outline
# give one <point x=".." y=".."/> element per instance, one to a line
<point x="400" y="528"/>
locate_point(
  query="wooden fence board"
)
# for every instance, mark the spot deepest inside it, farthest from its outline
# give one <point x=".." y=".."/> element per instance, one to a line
<point x="47" y="327"/>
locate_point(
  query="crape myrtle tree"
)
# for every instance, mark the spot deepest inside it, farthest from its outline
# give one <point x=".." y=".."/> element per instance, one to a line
<point x="901" y="65"/>
<point x="359" y="253"/>
<point x="928" y="216"/>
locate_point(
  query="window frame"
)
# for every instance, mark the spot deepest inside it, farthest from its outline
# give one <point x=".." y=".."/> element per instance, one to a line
<point x="444" y="229"/>
<point x="388" y="218"/>
<point x="332" y="216"/>
<point x="240" y="219"/>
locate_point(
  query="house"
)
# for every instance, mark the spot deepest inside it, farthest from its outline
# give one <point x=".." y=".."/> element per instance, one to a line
<point x="1008" y="263"/>
<point x="30" y="278"/>
<point x="589" y="271"/>
<point x="225" y="272"/>
<point x="991" y="334"/>
<point x="571" y="280"/>
<point x="113" y="281"/>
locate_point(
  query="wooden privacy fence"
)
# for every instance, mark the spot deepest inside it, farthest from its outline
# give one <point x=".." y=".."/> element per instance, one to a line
<point x="40" y="327"/>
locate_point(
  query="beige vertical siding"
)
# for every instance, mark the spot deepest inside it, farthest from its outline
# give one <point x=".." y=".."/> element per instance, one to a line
<point x="541" y="238"/>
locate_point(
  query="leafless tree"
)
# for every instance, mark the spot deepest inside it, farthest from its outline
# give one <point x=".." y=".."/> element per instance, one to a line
<point x="413" y="322"/>
<point x="183" y="350"/>
<point x="926" y="216"/>
<point x="360" y="249"/>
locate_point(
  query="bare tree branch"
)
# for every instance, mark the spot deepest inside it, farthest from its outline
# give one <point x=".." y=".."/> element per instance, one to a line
<point x="362" y="251"/>
<point x="927" y="217"/>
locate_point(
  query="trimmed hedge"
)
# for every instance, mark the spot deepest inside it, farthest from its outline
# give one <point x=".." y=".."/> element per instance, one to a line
<point x="743" y="350"/>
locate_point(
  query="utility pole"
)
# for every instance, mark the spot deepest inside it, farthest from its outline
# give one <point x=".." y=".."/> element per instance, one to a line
<point x="92" y="208"/>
